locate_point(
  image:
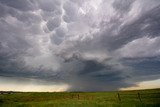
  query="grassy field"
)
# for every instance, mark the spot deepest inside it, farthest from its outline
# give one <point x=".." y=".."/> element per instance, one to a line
<point x="139" y="98"/>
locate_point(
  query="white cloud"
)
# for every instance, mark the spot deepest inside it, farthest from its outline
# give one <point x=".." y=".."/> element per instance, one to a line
<point x="142" y="47"/>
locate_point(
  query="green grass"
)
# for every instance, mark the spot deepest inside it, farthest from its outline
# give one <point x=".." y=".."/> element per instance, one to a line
<point x="149" y="98"/>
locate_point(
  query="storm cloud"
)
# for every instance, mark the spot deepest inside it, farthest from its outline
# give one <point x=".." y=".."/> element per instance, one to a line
<point x="90" y="45"/>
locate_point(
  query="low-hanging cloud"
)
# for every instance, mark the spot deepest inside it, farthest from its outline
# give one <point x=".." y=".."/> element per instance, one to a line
<point x="91" y="45"/>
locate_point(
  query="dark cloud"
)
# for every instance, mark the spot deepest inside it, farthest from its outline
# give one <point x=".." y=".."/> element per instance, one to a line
<point x="145" y="67"/>
<point x="91" y="45"/>
<point x="83" y="74"/>
<point x="95" y="76"/>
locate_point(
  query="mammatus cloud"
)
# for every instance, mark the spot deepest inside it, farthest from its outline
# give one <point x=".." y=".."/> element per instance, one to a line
<point x="90" y="45"/>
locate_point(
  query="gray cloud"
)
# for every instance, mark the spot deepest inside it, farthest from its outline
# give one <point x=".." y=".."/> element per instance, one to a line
<point x="123" y="5"/>
<point x="49" y="5"/>
<point x="53" y="23"/>
<point x="91" y="45"/>
<point x="26" y="5"/>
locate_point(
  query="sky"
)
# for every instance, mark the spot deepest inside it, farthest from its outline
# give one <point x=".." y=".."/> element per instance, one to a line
<point x="79" y="45"/>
